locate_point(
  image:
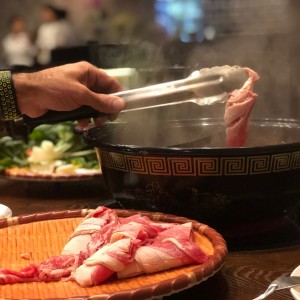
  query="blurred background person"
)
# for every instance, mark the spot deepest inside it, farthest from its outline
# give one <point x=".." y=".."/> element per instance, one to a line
<point x="17" y="46"/>
<point x="54" y="32"/>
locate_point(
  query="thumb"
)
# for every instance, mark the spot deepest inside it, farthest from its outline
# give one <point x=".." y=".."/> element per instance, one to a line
<point x="105" y="103"/>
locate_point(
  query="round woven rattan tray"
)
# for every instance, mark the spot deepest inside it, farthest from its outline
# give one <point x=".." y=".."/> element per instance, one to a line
<point x="42" y="235"/>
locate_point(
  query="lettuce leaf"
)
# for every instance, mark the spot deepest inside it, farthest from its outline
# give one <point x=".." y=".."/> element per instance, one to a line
<point x="12" y="153"/>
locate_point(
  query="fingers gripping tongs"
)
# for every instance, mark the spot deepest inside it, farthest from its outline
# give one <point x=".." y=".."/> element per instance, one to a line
<point x="203" y="87"/>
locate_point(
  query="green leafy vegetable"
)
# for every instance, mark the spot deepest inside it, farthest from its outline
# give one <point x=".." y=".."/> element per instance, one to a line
<point x="61" y="135"/>
<point x="13" y="152"/>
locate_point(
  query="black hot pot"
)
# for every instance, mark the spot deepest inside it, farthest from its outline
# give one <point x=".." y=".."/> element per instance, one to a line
<point x="183" y="167"/>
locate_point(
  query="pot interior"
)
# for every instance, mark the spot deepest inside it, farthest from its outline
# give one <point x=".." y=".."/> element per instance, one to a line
<point x="193" y="133"/>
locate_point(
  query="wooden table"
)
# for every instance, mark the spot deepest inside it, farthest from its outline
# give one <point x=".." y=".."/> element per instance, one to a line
<point x="244" y="275"/>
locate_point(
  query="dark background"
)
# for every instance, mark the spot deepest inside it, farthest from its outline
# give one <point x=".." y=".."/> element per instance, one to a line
<point x="260" y="34"/>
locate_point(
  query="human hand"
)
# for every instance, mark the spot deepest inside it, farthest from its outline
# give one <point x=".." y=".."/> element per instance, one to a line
<point x="66" y="88"/>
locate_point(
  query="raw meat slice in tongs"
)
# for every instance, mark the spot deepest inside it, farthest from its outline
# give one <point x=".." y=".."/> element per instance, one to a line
<point x="237" y="111"/>
<point x="232" y="85"/>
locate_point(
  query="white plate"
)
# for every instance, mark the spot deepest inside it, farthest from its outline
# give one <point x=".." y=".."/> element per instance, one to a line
<point x="5" y="211"/>
<point x="296" y="291"/>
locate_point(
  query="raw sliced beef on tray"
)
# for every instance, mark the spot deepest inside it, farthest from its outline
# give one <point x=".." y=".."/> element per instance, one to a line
<point x="51" y="269"/>
<point x="171" y="248"/>
<point x="94" y="231"/>
<point x="114" y="257"/>
<point x="104" y="244"/>
<point x="105" y="262"/>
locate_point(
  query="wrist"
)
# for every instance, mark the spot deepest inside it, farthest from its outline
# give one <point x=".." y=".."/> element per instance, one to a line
<point x="28" y="91"/>
<point x="8" y="101"/>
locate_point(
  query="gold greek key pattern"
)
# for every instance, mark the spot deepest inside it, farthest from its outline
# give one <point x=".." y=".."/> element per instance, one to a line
<point x="157" y="166"/>
<point x="296" y="160"/>
<point x="182" y="166"/>
<point x="106" y="159"/>
<point x="281" y="162"/>
<point x="259" y="164"/>
<point x="136" y="164"/>
<point x="8" y="106"/>
<point x="119" y="162"/>
<point x="234" y="166"/>
<point x="201" y="166"/>
<point x="208" y="166"/>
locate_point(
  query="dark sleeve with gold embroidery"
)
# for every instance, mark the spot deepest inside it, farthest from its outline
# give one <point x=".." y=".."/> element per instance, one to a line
<point x="8" y="101"/>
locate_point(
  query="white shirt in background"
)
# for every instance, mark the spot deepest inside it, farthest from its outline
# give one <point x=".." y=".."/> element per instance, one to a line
<point x="18" y="50"/>
<point x="58" y="34"/>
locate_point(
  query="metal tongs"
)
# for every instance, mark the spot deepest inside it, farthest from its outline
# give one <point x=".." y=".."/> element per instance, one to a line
<point x="203" y="87"/>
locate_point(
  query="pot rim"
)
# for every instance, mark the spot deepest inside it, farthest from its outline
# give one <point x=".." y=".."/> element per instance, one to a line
<point x="90" y="139"/>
